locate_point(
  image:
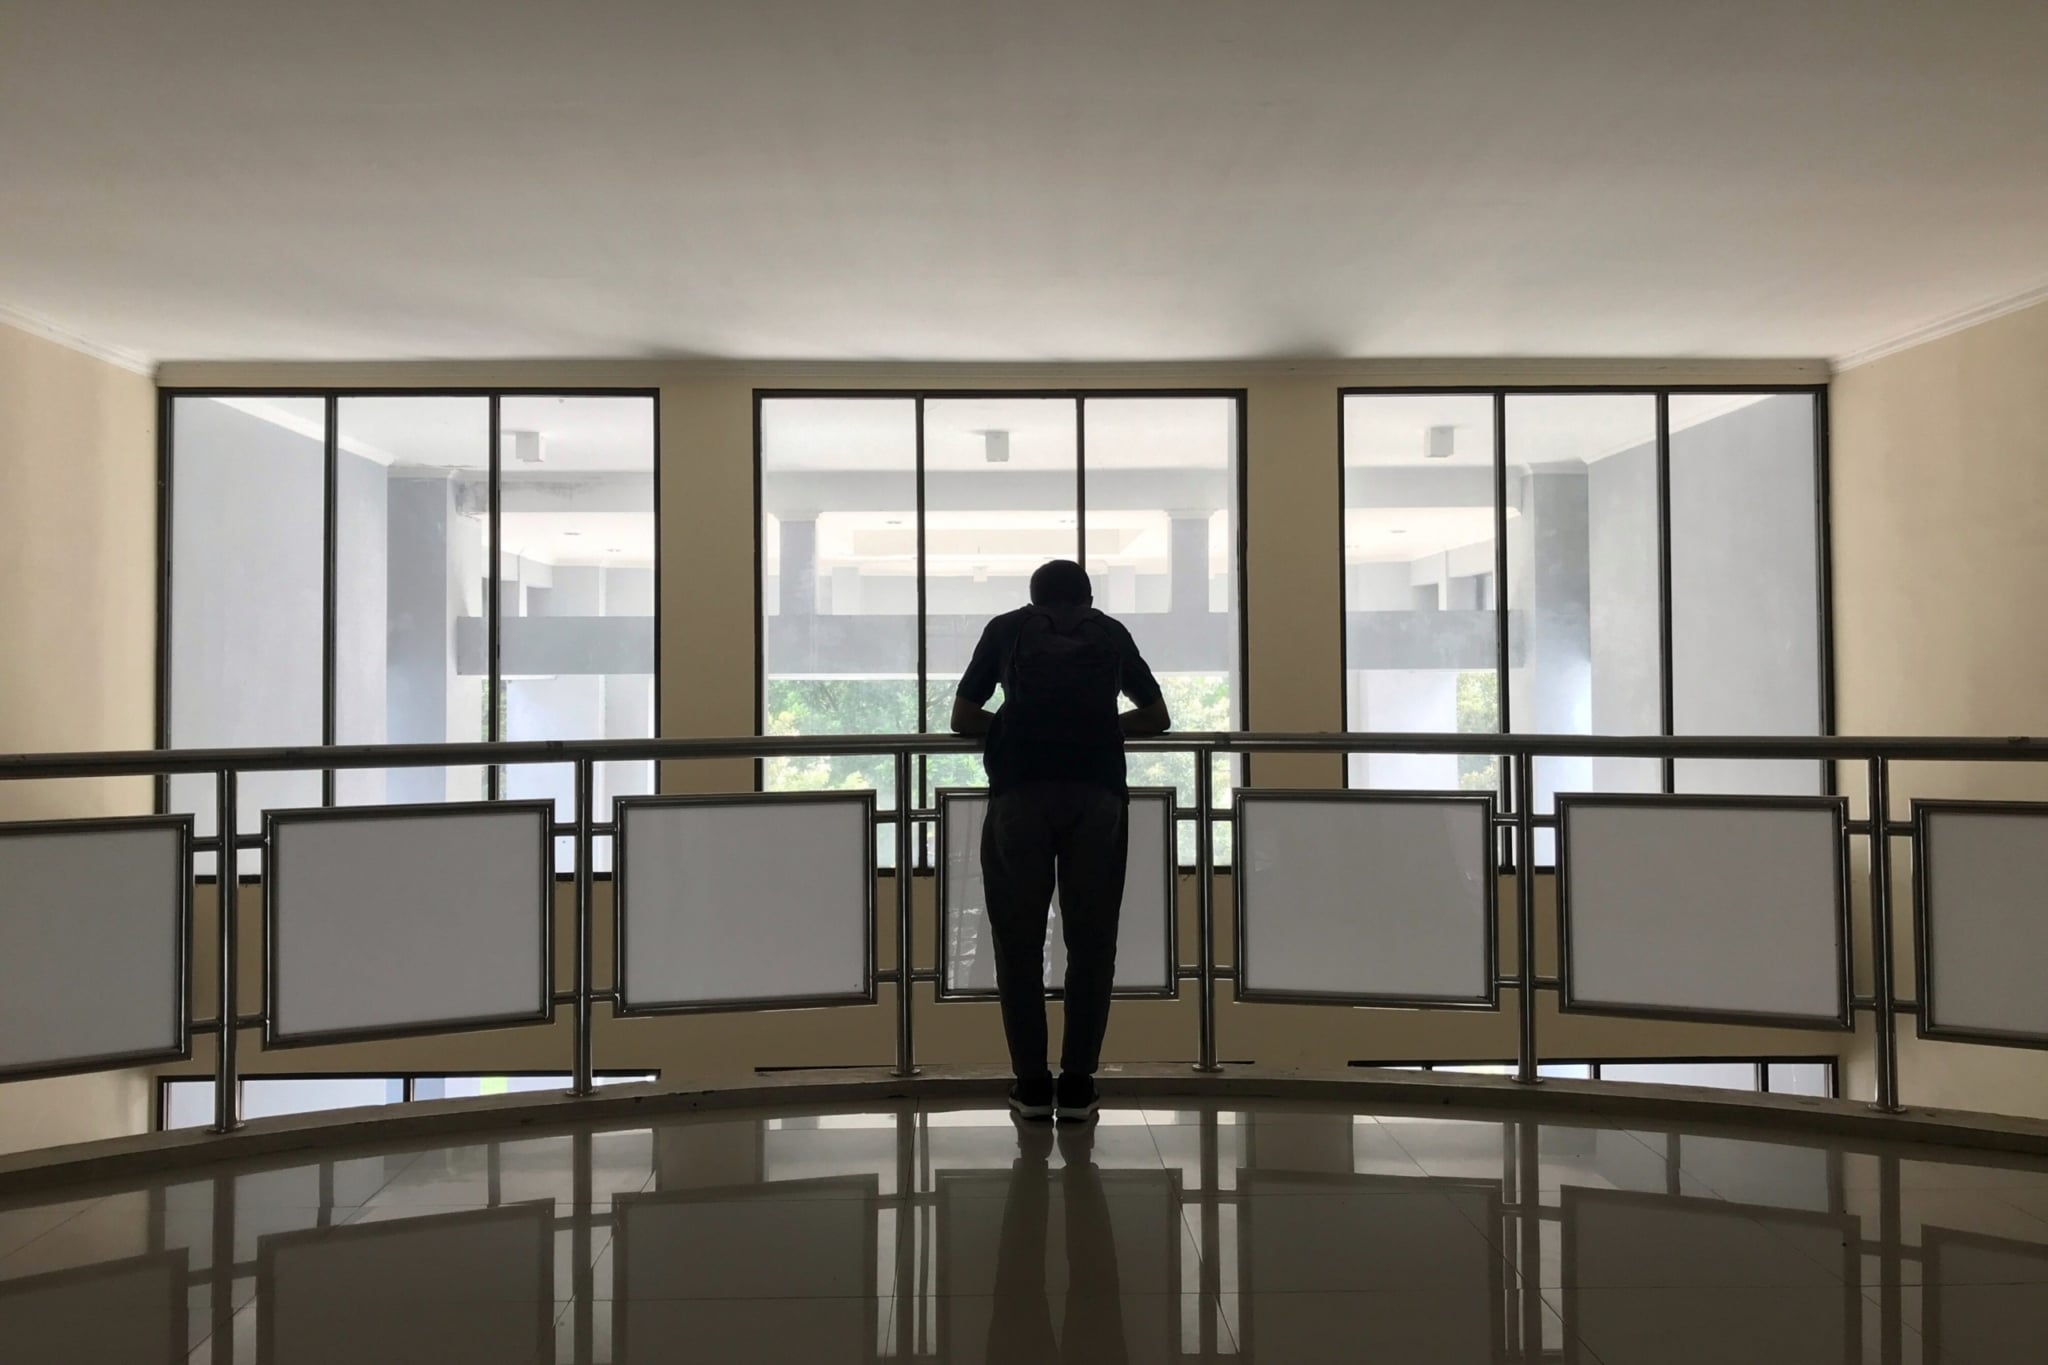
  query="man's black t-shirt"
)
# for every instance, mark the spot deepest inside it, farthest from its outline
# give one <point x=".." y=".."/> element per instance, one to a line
<point x="1061" y="670"/>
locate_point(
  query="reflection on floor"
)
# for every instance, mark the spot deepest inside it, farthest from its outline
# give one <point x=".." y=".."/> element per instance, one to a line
<point x="1283" y="1233"/>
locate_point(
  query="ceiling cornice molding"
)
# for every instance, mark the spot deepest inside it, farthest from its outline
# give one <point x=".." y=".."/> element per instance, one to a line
<point x="642" y="370"/>
<point x="1948" y="326"/>
<point x="49" y="331"/>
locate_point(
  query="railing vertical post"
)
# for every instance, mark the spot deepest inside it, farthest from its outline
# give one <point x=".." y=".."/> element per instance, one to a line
<point x="906" y="1054"/>
<point x="227" y="867"/>
<point x="583" y="1081"/>
<point x="1887" y="1019"/>
<point x="1205" y="912"/>
<point x="1525" y="916"/>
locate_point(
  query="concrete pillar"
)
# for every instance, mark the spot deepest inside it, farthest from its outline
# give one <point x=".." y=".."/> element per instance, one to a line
<point x="799" y="567"/>
<point x="419" y="644"/>
<point x="1189" y="565"/>
<point x="846" y="590"/>
<point x="1117" y="592"/>
<point x="1555" y="603"/>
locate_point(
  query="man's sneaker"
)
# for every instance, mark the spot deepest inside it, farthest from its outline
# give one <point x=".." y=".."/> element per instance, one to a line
<point x="1032" y="1099"/>
<point x="1076" y="1100"/>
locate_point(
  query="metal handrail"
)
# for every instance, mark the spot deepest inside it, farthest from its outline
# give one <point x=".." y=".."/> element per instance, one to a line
<point x="1829" y="748"/>
<point x="1874" y="754"/>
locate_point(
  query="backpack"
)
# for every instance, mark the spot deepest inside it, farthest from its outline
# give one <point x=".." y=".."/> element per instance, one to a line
<point x="1063" y="676"/>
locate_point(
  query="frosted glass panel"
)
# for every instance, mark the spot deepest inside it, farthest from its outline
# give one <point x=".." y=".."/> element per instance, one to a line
<point x="1145" y="942"/>
<point x="484" y="1279"/>
<point x="1704" y="907"/>
<point x="1365" y="897"/>
<point x="1986" y="935"/>
<point x="93" y="927"/>
<point x="130" y="1312"/>
<point x="732" y="900"/>
<point x="408" y="920"/>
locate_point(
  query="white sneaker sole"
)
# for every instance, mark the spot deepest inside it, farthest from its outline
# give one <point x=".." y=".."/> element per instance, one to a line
<point x="1077" y="1114"/>
<point x="1031" y="1111"/>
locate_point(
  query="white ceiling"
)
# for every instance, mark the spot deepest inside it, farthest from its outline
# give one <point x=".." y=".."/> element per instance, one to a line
<point x="1076" y="179"/>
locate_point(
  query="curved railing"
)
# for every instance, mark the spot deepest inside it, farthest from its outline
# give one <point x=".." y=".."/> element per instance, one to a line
<point x="373" y="917"/>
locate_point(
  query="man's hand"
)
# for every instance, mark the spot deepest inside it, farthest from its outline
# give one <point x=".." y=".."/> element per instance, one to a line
<point x="970" y="720"/>
<point x="1146" y="721"/>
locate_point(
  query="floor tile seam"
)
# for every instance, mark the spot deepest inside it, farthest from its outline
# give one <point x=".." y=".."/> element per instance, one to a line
<point x="879" y="1296"/>
<point x="63" y="1222"/>
<point x="1148" y="1295"/>
<point x="2025" y="1212"/>
<point x="1565" y="1333"/>
<point x="220" y="1325"/>
<point x="1683" y="1173"/>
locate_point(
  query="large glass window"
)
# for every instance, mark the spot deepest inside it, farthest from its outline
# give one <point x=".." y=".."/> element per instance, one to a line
<point x="412" y="548"/>
<point x="839" y="585"/>
<point x="246" y="580"/>
<point x="576" y="588"/>
<point x="894" y="526"/>
<point x="1161" y="498"/>
<point x="1583" y="584"/>
<point x="1630" y="563"/>
<point x="1745" y="582"/>
<point x="1421" y="641"/>
<point x="419" y="536"/>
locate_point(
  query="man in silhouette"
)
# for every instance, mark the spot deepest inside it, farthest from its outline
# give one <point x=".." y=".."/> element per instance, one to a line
<point x="1057" y="816"/>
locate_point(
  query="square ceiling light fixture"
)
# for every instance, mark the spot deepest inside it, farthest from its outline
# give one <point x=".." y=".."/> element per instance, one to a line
<point x="1440" y="443"/>
<point x="995" y="445"/>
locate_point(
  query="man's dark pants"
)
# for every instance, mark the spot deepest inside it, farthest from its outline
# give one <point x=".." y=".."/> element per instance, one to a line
<point x="1042" y="835"/>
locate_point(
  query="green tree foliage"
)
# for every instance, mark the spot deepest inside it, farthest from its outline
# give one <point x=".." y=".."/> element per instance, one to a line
<point x="1478" y="714"/>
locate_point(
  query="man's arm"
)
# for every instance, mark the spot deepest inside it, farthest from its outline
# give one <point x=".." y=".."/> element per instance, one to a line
<point x="1151" y="717"/>
<point x="970" y="719"/>
<point x="977" y="685"/>
<point x="1148" y="720"/>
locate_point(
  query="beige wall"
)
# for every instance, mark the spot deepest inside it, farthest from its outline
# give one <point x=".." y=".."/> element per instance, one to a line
<point x="1940" y="506"/>
<point x="1295" y="683"/>
<point x="78" y="614"/>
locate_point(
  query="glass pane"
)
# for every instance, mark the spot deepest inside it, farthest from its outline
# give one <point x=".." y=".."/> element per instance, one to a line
<point x="1000" y="492"/>
<point x="309" y="1095"/>
<point x="188" y="1104"/>
<point x="1421" y="646"/>
<point x="839" y="585"/>
<point x="1583" y="641"/>
<point x="248" y="478"/>
<point x="1745" y="582"/>
<point x="576" y="589"/>
<point x="412" y="530"/>
<point x="1712" y="1075"/>
<point x="1162" y="553"/>
<point x="1801" y="1078"/>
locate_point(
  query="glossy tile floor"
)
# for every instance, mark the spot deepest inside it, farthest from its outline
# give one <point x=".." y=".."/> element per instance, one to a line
<point x="1285" y="1234"/>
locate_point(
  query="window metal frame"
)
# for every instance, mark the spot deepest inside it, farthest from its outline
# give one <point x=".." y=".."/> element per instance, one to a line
<point x="331" y="397"/>
<point x="1661" y="394"/>
<point x="922" y="813"/>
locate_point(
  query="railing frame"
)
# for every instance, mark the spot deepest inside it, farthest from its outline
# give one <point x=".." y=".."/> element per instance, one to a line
<point x="226" y="766"/>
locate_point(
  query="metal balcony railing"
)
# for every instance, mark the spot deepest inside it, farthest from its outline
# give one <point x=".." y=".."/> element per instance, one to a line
<point x="1337" y="893"/>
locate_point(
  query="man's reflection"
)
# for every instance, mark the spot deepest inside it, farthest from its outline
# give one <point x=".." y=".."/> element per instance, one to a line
<point x="1021" y="1328"/>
